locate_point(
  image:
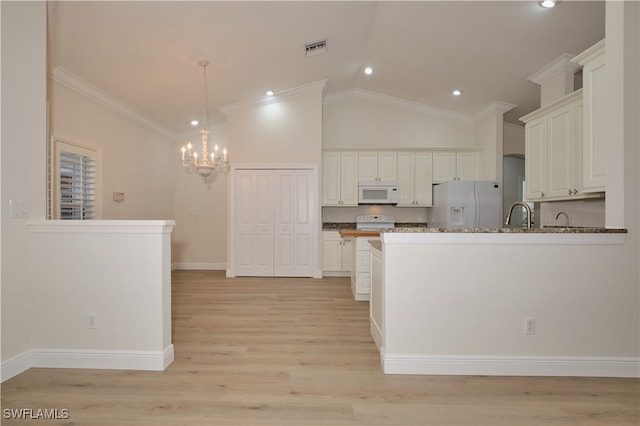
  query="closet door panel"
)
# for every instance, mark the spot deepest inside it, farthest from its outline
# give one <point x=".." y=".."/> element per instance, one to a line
<point x="304" y="222"/>
<point x="284" y="225"/>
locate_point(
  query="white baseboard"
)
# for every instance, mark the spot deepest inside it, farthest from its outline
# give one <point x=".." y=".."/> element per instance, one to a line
<point x="195" y="266"/>
<point x="98" y="359"/>
<point x="15" y="365"/>
<point x="511" y="366"/>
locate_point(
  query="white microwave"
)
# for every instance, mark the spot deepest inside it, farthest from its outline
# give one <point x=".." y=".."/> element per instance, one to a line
<point x="377" y="193"/>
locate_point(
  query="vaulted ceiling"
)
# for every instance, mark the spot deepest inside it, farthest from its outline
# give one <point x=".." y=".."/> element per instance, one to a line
<point x="146" y="53"/>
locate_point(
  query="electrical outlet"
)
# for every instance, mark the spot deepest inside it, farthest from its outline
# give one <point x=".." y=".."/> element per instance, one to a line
<point x="92" y="321"/>
<point x="529" y="326"/>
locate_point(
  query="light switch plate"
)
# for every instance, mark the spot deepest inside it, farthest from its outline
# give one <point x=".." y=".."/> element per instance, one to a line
<point x="18" y="209"/>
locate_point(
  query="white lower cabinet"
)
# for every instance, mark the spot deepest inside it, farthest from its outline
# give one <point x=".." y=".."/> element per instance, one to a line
<point x="360" y="273"/>
<point x="274" y="214"/>
<point x="336" y="253"/>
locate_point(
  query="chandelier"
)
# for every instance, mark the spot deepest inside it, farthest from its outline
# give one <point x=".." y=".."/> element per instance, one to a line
<point x="206" y="163"/>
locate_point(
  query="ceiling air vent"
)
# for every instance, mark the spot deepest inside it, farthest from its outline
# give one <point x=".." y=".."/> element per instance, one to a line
<point x="316" y="47"/>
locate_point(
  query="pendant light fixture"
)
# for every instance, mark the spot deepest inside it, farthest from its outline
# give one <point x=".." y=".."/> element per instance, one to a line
<point x="206" y="163"/>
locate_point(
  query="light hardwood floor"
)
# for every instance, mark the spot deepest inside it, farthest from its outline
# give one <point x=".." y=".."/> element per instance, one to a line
<point x="275" y="351"/>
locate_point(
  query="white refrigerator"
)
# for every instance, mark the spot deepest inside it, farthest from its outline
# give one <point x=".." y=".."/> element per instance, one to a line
<point x="467" y="204"/>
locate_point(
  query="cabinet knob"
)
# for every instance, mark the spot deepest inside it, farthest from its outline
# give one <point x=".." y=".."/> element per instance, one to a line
<point x="541" y="194"/>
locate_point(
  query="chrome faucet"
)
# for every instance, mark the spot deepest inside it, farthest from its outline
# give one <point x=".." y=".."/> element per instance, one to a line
<point x="526" y="207"/>
<point x="565" y="215"/>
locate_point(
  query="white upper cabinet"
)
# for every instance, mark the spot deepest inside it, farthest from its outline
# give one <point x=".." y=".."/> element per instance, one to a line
<point x="451" y="165"/>
<point x="339" y="178"/>
<point x="594" y="167"/>
<point x="553" y="150"/>
<point x="377" y="166"/>
<point x="415" y="179"/>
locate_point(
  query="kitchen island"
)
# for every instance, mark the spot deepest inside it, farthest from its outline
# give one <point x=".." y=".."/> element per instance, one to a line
<point x="550" y="301"/>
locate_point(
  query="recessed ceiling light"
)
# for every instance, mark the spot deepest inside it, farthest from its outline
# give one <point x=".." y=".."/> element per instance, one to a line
<point x="269" y="93"/>
<point x="368" y="71"/>
<point x="456" y="93"/>
<point x="547" y="3"/>
<point x="194" y="122"/>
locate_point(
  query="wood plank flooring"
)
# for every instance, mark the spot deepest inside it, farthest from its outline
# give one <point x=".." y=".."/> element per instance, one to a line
<point x="269" y="351"/>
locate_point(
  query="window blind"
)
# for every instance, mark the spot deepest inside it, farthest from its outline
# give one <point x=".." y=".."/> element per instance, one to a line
<point x="77" y="186"/>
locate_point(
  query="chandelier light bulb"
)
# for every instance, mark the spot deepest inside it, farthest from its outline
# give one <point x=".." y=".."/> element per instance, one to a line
<point x="368" y="70"/>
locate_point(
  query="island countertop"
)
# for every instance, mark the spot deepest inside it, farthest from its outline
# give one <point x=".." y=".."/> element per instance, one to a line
<point x="543" y="230"/>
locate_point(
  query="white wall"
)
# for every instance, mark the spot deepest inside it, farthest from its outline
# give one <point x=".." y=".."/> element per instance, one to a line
<point x="375" y="121"/>
<point x="135" y="159"/>
<point x="24" y="136"/>
<point x="513" y="140"/>
<point x="200" y="235"/>
<point x="283" y="132"/>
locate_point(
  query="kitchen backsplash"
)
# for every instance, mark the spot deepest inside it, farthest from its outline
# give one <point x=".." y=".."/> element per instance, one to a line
<point x="580" y="212"/>
<point x="349" y="214"/>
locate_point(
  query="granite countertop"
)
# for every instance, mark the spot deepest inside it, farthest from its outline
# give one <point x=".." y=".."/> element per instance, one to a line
<point x="327" y="226"/>
<point x="544" y="230"/>
<point x="421" y="228"/>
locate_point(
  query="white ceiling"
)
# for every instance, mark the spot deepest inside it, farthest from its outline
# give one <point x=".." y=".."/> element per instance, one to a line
<point x="146" y="53"/>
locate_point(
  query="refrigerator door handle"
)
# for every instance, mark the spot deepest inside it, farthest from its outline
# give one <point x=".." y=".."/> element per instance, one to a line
<point x="476" y="210"/>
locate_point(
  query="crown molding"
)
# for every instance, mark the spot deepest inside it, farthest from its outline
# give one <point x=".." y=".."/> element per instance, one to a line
<point x="592" y="52"/>
<point x="74" y="83"/>
<point x="514" y="127"/>
<point x="561" y="64"/>
<point x="280" y="96"/>
<point x="396" y="102"/>
<point x="496" y="107"/>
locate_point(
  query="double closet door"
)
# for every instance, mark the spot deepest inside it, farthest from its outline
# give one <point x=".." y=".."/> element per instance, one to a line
<point x="275" y="222"/>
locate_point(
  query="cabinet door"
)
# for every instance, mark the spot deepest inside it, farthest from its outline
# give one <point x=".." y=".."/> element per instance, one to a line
<point x="594" y="155"/>
<point x="467" y="165"/>
<point x="387" y="166"/>
<point x="331" y="183"/>
<point x="406" y="179"/>
<point x="423" y="182"/>
<point x="535" y="159"/>
<point x="348" y="178"/>
<point x="444" y="166"/>
<point x="560" y="138"/>
<point x="368" y="166"/>
<point x="331" y="251"/>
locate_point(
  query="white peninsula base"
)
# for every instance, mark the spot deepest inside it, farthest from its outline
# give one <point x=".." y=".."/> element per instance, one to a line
<point x="458" y="303"/>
